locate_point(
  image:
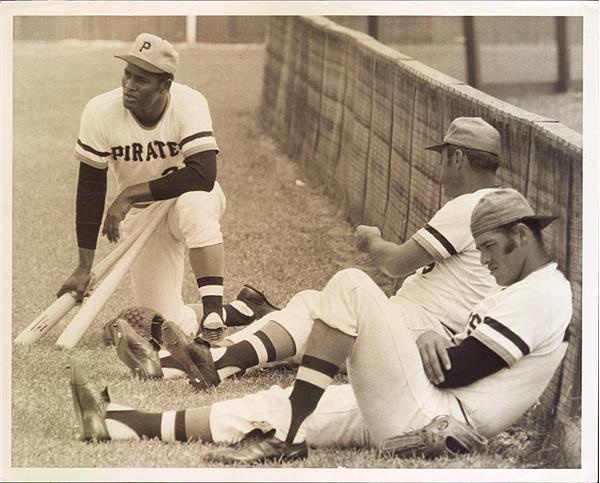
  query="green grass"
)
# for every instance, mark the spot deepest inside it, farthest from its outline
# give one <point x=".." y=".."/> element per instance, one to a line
<point x="278" y="236"/>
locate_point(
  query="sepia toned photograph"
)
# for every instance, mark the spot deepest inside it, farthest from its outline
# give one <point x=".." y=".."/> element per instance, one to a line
<point x="299" y="241"/>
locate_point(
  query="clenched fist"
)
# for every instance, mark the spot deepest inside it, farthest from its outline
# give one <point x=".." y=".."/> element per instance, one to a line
<point x="362" y="235"/>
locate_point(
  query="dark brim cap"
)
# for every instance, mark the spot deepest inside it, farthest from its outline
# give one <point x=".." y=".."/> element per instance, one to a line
<point x="142" y="64"/>
<point x="502" y="207"/>
<point x="470" y="133"/>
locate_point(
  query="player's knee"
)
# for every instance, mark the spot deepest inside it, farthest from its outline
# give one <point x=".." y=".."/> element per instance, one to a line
<point x="195" y="220"/>
<point x="349" y="278"/>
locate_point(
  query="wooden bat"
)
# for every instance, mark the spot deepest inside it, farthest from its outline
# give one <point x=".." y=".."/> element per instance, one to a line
<point x="62" y="305"/>
<point x="90" y="309"/>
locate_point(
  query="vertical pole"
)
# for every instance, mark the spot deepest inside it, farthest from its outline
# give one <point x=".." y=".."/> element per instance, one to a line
<point x="373" y="26"/>
<point x="472" y="52"/>
<point x="190" y="29"/>
<point x="562" y="48"/>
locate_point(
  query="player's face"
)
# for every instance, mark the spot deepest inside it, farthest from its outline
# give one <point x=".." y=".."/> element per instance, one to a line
<point x="503" y="254"/>
<point x="141" y="88"/>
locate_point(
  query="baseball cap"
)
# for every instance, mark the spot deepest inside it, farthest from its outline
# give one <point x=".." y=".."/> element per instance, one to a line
<point x="152" y="54"/>
<point x="501" y="207"/>
<point x="471" y="133"/>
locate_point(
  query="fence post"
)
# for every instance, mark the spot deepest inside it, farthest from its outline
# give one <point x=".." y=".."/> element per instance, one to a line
<point x="373" y="24"/>
<point x="562" y="48"/>
<point x="472" y="52"/>
<point x="190" y="29"/>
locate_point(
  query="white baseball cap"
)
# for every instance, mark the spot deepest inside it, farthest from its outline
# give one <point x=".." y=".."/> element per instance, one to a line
<point x="152" y="54"/>
<point x="471" y="133"/>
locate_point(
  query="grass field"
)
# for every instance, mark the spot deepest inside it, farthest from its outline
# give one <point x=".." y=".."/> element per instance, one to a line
<point x="279" y="236"/>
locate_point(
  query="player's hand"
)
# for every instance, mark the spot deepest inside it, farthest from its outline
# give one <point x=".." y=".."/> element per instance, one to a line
<point x="77" y="283"/>
<point x="434" y="355"/>
<point x="115" y="214"/>
<point x="362" y="234"/>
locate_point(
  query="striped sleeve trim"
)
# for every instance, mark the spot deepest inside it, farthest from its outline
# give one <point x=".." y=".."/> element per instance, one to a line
<point x="199" y="135"/>
<point x="501" y="340"/>
<point x="91" y="150"/>
<point x="436" y="244"/>
<point x="94" y="163"/>
<point x="441" y="239"/>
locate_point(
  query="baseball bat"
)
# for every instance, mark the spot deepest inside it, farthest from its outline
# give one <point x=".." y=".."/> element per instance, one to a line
<point x="42" y="324"/>
<point x="89" y="310"/>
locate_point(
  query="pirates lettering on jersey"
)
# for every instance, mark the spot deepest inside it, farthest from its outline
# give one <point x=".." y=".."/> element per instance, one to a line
<point x="148" y="152"/>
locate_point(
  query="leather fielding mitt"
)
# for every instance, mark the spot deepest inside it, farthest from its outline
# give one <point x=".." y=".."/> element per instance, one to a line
<point x="146" y="322"/>
<point x="444" y="435"/>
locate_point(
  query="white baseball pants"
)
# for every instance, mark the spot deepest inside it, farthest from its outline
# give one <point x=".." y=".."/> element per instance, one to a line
<point x="157" y="273"/>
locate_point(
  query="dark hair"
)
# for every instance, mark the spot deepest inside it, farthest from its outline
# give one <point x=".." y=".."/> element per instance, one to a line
<point x="478" y="159"/>
<point x="530" y="223"/>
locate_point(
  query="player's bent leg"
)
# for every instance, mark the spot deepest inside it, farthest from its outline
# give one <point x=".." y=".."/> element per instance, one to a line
<point x="157" y="272"/>
<point x="194" y="220"/>
<point x="385" y="367"/>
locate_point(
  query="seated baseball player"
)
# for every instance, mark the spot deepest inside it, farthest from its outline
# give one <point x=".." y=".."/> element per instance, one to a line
<point x="156" y="137"/>
<point x="449" y="280"/>
<point x="514" y="341"/>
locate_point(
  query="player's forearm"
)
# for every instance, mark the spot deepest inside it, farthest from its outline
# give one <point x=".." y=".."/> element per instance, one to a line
<point x="199" y="174"/>
<point x="384" y="255"/>
<point x="397" y="260"/>
<point x="89" y="206"/>
<point x="86" y="258"/>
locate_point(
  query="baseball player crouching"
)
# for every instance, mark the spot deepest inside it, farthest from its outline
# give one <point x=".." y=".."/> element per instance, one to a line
<point x="448" y="282"/>
<point x="156" y="136"/>
<point x="513" y="343"/>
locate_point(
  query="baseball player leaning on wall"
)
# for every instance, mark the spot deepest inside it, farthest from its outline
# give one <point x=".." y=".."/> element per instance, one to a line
<point x="513" y="342"/>
<point x="156" y="136"/>
<point x="449" y="282"/>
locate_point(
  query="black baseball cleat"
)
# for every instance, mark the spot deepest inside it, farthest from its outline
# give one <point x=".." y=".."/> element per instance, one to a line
<point x="259" y="450"/>
<point x="256" y="300"/>
<point x="193" y="355"/>
<point x="212" y="328"/>
<point x="89" y="404"/>
<point x="136" y="352"/>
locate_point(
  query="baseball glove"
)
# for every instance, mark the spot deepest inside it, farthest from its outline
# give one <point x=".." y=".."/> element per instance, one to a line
<point x="444" y="435"/>
<point x="146" y="322"/>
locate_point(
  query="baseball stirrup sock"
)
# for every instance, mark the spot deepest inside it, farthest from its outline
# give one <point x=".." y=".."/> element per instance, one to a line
<point x="211" y="293"/>
<point x="271" y="343"/>
<point x="188" y="425"/>
<point x="313" y="377"/>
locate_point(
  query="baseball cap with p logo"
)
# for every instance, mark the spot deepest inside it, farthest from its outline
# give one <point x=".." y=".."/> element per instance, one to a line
<point x="501" y="207"/>
<point x="470" y="133"/>
<point x="152" y="54"/>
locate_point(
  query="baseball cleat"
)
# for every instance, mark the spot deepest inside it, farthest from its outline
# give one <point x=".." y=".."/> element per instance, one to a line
<point x="89" y="404"/>
<point x="136" y="352"/>
<point x="212" y="328"/>
<point x="259" y="450"/>
<point x="256" y="300"/>
<point x="193" y="355"/>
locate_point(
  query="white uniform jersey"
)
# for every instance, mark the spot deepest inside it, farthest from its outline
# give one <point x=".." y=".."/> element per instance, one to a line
<point x="110" y="136"/>
<point x="456" y="282"/>
<point x="525" y="324"/>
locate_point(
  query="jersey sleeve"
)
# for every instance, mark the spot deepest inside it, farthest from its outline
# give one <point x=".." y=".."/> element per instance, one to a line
<point x="512" y="327"/>
<point x="447" y="233"/>
<point x="196" y="126"/>
<point x="92" y="147"/>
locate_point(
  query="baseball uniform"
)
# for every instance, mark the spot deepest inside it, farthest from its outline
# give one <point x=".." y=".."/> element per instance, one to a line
<point x="437" y="297"/>
<point x="111" y="137"/>
<point x="525" y="324"/>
